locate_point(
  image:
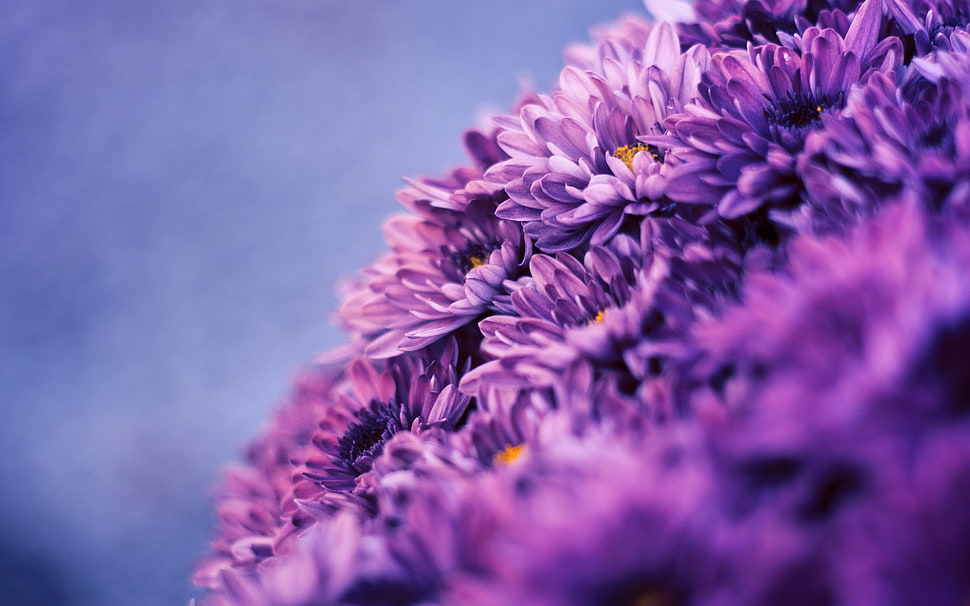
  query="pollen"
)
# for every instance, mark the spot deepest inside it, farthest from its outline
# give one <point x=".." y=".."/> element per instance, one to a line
<point x="598" y="318"/>
<point x="509" y="454"/>
<point x="468" y="258"/>
<point x="626" y="153"/>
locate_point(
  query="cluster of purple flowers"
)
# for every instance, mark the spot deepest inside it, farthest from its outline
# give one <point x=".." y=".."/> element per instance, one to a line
<point x="691" y="329"/>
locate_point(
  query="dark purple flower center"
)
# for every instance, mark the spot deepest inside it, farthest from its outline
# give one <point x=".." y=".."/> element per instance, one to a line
<point x="801" y="111"/>
<point x="645" y="589"/>
<point x="952" y="15"/>
<point x="471" y="257"/>
<point x="364" y="441"/>
<point x="938" y="136"/>
<point x="410" y="590"/>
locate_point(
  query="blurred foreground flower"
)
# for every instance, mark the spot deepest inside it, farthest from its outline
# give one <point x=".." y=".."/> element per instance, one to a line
<point x="691" y="329"/>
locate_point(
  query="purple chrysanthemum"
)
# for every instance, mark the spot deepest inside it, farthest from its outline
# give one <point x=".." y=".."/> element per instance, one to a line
<point x="863" y="310"/>
<point x="624" y="309"/>
<point x="570" y="527"/>
<point x="505" y="422"/>
<point x="449" y="258"/>
<point x="738" y="148"/>
<point x="509" y="535"/>
<point x="412" y="393"/>
<point x="401" y="556"/>
<point x="622" y="42"/>
<point x="577" y="166"/>
<point x="567" y="310"/>
<point x="930" y="22"/>
<point x="337" y="562"/>
<point x="446" y="269"/>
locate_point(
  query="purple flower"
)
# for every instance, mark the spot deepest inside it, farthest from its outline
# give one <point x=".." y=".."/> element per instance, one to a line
<point x="569" y="310"/>
<point x="569" y="527"/>
<point x="448" y="260"/>
<point x="463" y="185"/>
<point x="738" y="148"/>
<point x="446" y="268"/>
<point x="413" y="393"/>
<point x="830" y="472"/>
<point x="865" y="312"/>
<point x="622" y="42"/>
<point x="337" y="562"/>
<point x="578" y="167"/>
<point x="505" y="422"/>
<point x="624" y="310"/>
<point x="931" y="23"/>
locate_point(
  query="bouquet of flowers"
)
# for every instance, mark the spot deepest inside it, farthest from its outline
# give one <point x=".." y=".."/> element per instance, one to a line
<point x="685" y="330"/>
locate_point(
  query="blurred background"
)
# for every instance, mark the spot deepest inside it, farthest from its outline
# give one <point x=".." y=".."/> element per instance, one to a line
<point x="182" y="183"/>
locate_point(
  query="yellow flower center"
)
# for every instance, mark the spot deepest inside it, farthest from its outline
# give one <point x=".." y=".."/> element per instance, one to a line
<point x="626" y="153"/>
<point x="476" y="261"/>
<point x="509" y="454"/>
<point x="598" y="318"/>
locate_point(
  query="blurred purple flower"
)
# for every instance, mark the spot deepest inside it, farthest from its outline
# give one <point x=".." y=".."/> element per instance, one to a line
<point x="337" y="562"/>
<point x="249" y="503"/>
<point x="569" y="527"/>
<point x="826" y="448"/>
<point x="874" y="314"/>
<point x="620" y="42"/>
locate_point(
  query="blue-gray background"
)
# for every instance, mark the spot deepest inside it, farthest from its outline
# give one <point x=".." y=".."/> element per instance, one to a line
<point x="182" y="182"/>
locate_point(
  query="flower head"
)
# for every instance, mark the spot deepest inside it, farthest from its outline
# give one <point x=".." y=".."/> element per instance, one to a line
<point x="413" y="393"/>
<point x="445" y="270"/>
<point x="738" y="148"/>
<point x="621" y="42"/>
<point x="578" y="167"/>
<point x="931" y="23"/>
<point x="568" y="529"/>
<point x="567" y="310"/>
